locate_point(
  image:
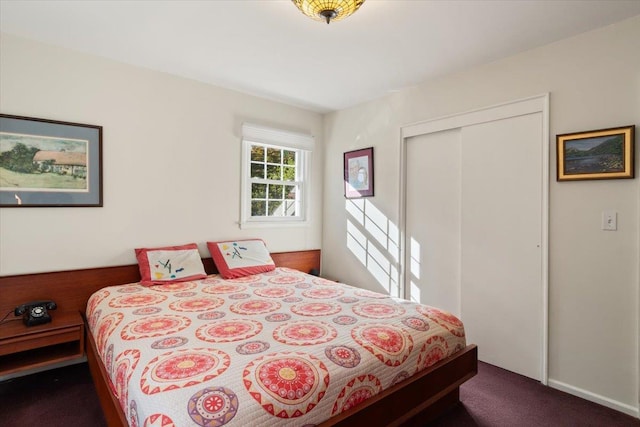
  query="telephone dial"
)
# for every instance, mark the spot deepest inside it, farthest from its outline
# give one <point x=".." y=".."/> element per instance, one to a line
<point x="35" y="312"/>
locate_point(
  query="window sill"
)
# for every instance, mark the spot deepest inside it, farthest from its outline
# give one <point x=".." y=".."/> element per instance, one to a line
<point x="274" y="224"/>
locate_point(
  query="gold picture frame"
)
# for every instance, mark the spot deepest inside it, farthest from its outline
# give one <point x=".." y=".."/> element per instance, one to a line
<point x="596" y="154"/>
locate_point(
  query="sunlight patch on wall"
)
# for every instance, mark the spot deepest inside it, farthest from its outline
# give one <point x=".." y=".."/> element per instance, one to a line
<point x="415" y="292"/>
<point x="414" y="269"/>
<point x="415" y="258"/>
<point x="356" y="242"/>
<point x="374" y="240"/>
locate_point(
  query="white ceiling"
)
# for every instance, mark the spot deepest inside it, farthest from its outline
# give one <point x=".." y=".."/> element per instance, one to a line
<point x="268" y="48"/>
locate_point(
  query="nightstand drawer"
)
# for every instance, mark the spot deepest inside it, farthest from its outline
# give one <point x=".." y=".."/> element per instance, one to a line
<point x="43" y="339"/>
<point x="26" y="347"/>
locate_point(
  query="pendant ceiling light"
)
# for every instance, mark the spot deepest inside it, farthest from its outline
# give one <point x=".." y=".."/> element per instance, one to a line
<point x="328" y="10"/>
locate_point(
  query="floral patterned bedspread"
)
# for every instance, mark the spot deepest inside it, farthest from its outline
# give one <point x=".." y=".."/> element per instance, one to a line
<point x="278" y="348"/>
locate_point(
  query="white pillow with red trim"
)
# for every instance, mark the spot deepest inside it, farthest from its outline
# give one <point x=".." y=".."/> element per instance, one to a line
<point x="170" y="264"/>
<point x="239" y="258"/>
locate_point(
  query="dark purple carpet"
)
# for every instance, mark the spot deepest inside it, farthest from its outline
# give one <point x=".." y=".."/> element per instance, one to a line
<point x="497" y="398"/>
<point x="56" y="398"/>
<point x="494" y="398"/>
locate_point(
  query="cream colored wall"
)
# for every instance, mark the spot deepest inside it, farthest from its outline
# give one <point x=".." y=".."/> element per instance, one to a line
<point x="594" y="82"/>
<point x="171" y="153"/>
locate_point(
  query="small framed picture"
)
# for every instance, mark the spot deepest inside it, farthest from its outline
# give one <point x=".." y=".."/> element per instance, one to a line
<point x="48" y="163"/>
<point x="358" y="173"/>
<point x="596" y="154"/>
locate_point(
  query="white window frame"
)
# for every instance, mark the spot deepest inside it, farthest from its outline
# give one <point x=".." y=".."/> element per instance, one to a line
<point x="280" y="139"/>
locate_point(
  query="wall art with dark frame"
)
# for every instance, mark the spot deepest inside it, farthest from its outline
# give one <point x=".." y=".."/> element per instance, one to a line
<point x="48" y="163"/>
<point x="596" y="154"/>
<point x="358" y="173"/>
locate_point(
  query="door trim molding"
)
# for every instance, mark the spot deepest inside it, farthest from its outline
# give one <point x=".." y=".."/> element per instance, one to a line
<point x="530" y="105"/>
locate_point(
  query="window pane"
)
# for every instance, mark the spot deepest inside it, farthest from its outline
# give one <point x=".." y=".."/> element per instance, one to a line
<point x="275" y="208"/>
<point x="275" y="178"/>
<point x="290" y="192"/>
<point x="258" y="191"/>
<point x="257" y="153"/>
<point x="274" y="155"/>
<point x="289" y="157"/>
<point x="257" y="170"/>
<point x="288" y="173"/>
<point x="258" y="208"/>
<point x="276" y="191"/>
<point x="290" y="207"/>
<point x="273" y="172"/>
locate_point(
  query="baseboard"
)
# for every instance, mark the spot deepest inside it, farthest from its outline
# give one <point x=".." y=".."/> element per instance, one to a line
<point x="596" y="398"/>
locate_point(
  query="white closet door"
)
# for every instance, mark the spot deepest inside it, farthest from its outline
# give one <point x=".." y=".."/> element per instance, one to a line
<point x="474" y="231"/>
<point x="501" y="238"/>
<point x="433" y="219"/>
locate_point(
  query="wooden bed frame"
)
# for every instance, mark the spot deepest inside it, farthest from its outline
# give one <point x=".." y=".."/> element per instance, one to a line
<point x="415" y="401"/>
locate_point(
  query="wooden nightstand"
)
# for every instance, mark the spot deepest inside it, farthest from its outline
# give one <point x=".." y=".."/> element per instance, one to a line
<point x="23" y="348"/>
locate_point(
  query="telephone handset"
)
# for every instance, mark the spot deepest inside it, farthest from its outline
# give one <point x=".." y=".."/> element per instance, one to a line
<point x="35" y="312"/>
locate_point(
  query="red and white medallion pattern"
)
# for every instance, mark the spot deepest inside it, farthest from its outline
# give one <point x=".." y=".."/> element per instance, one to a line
<point x="305" y="332"/>
<point x="255" y="306"/>
<point x="447" y="320"/>
<point x="286" y="279"/>
<point x="416" y="323"/>
<point x="154" y="326"/>
<point x="229" y="330"/>
<point x="130" y="289"/>
<point x="159" y="420"/>
<point x="316" y="308"/>
<point x="356" y="391"/>
<point x="246" y="279"/>
<point x="321" y="281"/>
<point x="323" y="293"/>
<point x="211" y="315"/>
<point x="196" y="304"/>
<point x="213" y="407"/>
<point x="96" y="299"/>
<point x="253" y="347"/>
<point x="106" y="326"/>
<point x="390" y="344"/>
<point x="370" y="294"/>
<point x="146" y="311"/>
<point x="274" y="292"/>
<point x="136" y="300"/>
<point x="279" y="348"/>
<point x="286" y="385"/>
<point x="277" y="317"/>
<point x="223" y="288"/>
<point x="183" y="368"/>
<point x="124" y="366"/>
<point x="133" y="414"/>
<point x="93" y="320"/>
<point x="169" y="342"/>
<point x="433" y="350"/>
<point x="342" y="355"/>
<point x="377" y="310"/>
<point x="174" y="287"/>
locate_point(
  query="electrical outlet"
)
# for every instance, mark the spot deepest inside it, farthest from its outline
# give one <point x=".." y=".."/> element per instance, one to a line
<point x="609" y="220"/>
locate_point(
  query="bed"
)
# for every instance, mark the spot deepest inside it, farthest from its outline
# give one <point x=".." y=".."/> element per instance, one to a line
<point x="279" y="348"/>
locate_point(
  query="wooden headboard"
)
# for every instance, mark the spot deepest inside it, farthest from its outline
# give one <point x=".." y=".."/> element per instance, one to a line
<point x="71" y="289"/>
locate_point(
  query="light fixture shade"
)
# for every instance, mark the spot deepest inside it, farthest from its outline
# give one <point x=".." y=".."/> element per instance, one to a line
<point x="328" y="10"/>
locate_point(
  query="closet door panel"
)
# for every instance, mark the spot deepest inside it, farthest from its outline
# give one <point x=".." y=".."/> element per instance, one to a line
<point x="501" y="255"/>
<point x="433" y="219"/>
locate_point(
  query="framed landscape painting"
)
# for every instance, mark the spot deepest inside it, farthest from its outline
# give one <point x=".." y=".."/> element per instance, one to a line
<point x="47" y="163"/>
<point x="596" y="154"/>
